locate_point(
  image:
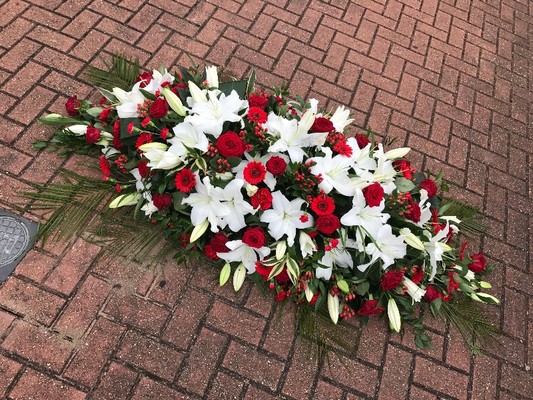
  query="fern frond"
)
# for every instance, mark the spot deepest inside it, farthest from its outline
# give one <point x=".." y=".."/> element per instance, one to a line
<point x="471" y="222"/>
<point x="121" y="72"/>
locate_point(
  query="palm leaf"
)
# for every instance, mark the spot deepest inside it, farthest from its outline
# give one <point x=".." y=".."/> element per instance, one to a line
<point x="471" y="222"/>
<point x="120" y="72"/>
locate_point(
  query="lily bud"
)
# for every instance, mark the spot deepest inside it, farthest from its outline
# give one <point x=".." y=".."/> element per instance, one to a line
<point x="196" y="93"/>
<point x="78" y="130"/>
<point x="153" y="145"/>
<point x="333" y="308"/>
<point x="281" y="249"/>
<point x="411" y="239"/>
<point x="395" y="321"/>
<point x="306" y="121"/>
<point x="308" y="294"/>
<point x="251" y="190"/>
<point x="238" y="277"/>
<point x="413" y="290"/>
<point x="198" y="231"/>
<point x="485" y="285"/>
<point x="125" y="200"/>
<point x="485" y="298"/>
<point x="174" y="102"/>
<point x="211" y="76"/>
<point x="397" y="153"/>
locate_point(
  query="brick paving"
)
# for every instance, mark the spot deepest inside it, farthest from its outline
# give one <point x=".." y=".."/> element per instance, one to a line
<point x="451" y="79"/>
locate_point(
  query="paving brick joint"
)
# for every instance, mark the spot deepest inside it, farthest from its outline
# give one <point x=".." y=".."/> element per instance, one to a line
<point x="449" y="78"/>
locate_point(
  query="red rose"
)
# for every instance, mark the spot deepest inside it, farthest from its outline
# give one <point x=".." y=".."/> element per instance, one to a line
<point x="185" y="180"/>
<point x="258" y="101"/>
<point x="478" y="263"/>
<point x="391" y="279"/>
<point x="93" y="135"/>
<point x="276" y="165"/>
<point x="72" y="106"/>
<point x="404" y="167"/>
<point x="262" y="270"/>
<point x="162" y="201"/>
<point x="230" y="144"/>
<point x="322" y="204"/>
<point x="218" y="241"/>
<point x="322" y="124"/>
<point x="145" y="78"/>
<point x="429" y="186"/>
<point x="327" y="224"/>
<point x="254" y="172"/>
<point x="413" y="212"/>
<point x="254" y="237"/>
<point x="362" y="140"/>
<point x="210" y="252"/>
<point x="143" y="138"/>
<point x="369" y="308"/>
<point x="262" y="199"/>
<point x="144" y="170"/>
<point x="432" y="293"/>
<point x="373" y="194"/>
<point x="105" y="167"/>
<point x="257" y="115"/>
<point x="159" y="108"/>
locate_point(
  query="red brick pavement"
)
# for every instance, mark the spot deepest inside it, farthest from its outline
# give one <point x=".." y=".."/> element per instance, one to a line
<point x="449" y="78"/>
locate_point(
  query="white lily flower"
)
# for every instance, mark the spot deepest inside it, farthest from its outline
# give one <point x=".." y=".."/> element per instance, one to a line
<point x="292" y="135"/>
<point x="149" y="208"/>
<point x="207" y="204"/>
<point x="413" y="290"/>
<point x="386" y="247"/>
<point x="157" y="79"/>
<point x="371" y="219"/>
<point x="435" y="248"/>
<point x="425" y="208"/>
<point x="189" y="135"/>
<point x="241" y="252"/>
<point x="338" y="256"/>
<point x="210" y="116"/>
<point x="361" y="157"/>
<point x="334" y="172"/>
<point x="384" y="172"/>
<point x="211" y="76"/>
<point x="129" y="102"/>
<point x="470" y="275"/>
<point x="284" y="217"/>
<point x="313" y="105"/>
<point x="307" y="245"/>
<point x="340" y="119"/>
<point x="197" y="94"/>
<point x="169" y="159"/>
<point x="139" y="184"/>
<point x="234" y="200"/>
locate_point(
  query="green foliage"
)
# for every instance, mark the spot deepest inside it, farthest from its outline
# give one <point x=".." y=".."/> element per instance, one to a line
<point x="120" y="72"/>
<point x="469" y="216"/>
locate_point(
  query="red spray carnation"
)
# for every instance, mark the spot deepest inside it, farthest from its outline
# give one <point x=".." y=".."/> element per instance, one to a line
<point x="185" y="180"/>
<point x="254" y="172"/>
<point x="362" y="140"/>
<point x="145" y="78"/>
<point x="343" y="149"/>
<point x="117" y="143"/>
<point x="262" y="270"/>
<point x="281" y="296"/>
<point x="369" y="307"/>
<point x="322" y="124"/>
<point x="413" y="212"/>
<point x="404" y="167"/>
<point x="430" y="186"/>
<point x="283" y="276"/>
<point x="230" y="144"/>
<point x="162" y="201"/>
<point x="143" y="138"/>
<point x="322" y="204"/>
<point x="391" y="279"/>
<point x="257" y="115"/>
<point x="452" y="283"/>
<point x="144" y="170"/>
<point x="417" y="274"/>
<point x="93" y="135"/>
<point x="210" y="252"/>
<point x="104" y="115"/>
<point x="327" y="224"/>
<point x="163" y="133"/>
<point x="254" y="237"/>
<point x="159" y="108"/>
<point x="276" y="165"/>
<point x="478" y="263"/>
<point x="258" y="101"/>
<point x="262" y="199"/>
<point x="373" y="194"/>
<point x="105" y="167"/>
<point x="218" y="241"/>
<point x="72" y="106"/>
<point x="432" y="293"/>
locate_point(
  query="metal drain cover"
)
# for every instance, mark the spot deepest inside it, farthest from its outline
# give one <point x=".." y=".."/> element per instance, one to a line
<point x="16" y="238"/>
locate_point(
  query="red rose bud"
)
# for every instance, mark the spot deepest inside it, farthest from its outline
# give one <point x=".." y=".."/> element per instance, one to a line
<point x="327" y="224"/>
<point x="322" y="204"/>
<point x="478" y="263"/>
<point x="257" y="101"/>
<point x="432" y="293"/>
<point x="322" y="124"/>
<point x="373" y="194"/>
<point x="369" y="308"/>
<point x="162" y="201"/>
<point x="93" y="135"/>
<point x="362" y="141"/>
<point x="230" y="144"/>
<point x="72" y="106"/>
<point x="404" y="167"/>
<point x="391" y="279"/>
<point x="430" y="186"/>
<point x="145" y="78"/>
<point x="254" y="237"/>
<point x="276" y="165"/>
<point x="159" y="108"/>
<point x="262" y="199"/>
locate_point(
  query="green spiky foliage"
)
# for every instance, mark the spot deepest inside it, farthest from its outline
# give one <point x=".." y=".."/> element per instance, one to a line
<point x="121" y="72"/>
<point x="471" y="222"/>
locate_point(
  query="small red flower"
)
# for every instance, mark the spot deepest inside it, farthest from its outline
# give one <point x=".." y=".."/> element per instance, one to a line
<point x="162" y="201"/>
<point x="254" y="172"/>
<point x="327" y="224"/>
<point x="105" y="167"/>
<point x="104" y="115"/>
<point x="405" y="168"/>
<point x="304" y="218"/>
<point x="230" y="144"/>
<point x="131" y="125"/>
<point x="452" y="283"/>
<point x="143" y="138"/>
<point x="369" y="307"/>
<point x="72" y="106"/>
<point x="262" y="199"/>
<point x="254" y="237"/>
<point x="276" y="165"/>
<point x="413" y="212"/>
<point x="145" y="122"/>
<point x="262" y="270"/>
<point x="257" y="115"/>
<point x="373" y="194"/>
<point x="478" y="263"/>
<point x="281" y="296"/>
<point x="391" y="279"/>
<point x="163" y="133"/>
<point x="430" y="186"/>
<point x="322" y="204"/>
<point x="117" y="143"/>
<point x="185" y="180"/>
<point x="210" y="252"/>
<point x="417" y="274"/>
<point x="93" y="135"/>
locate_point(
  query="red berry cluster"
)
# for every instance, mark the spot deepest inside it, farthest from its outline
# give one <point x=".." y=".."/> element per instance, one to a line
<point x="120" y="163"/>
<point x="223" y="165"/>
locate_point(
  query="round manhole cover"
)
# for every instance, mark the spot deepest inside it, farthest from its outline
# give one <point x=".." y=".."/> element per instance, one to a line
<point x="14" y="239"/>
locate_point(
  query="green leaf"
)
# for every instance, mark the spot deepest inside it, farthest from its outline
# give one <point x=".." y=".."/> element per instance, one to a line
<point x="147" y="95"/>
<point x="94" y="111"/>
<point x="404" y="185"/>
<point x="120" y="72"/>
<point x="59" y="120"/>
<point x="238" y="86"/>
<point x="362" y="288"/>
<point x="250" y="85"/>
<point x="225" y="272"/>
<point x="39" y="145"/>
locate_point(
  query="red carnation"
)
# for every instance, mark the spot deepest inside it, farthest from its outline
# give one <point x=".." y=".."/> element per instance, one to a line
<point x="327" y="224"/>
<point x="322" y="204"/>
<point x="362" y="140"/>
<point x="391" y="279"/>
<point x="144" y="170"/>
<point x="104" y="115"/>
<point x="262" y="270"/>
<point x="343" y="149"/>
<point x="185" y="180"/>
<point x="143" y="138"/>
<point x="254" y="172"/>
<point x="262" y="199"/>
<point x="210" y="252"/>
<point x="276" y="165"/>
<point x="159" y="108"/>
<point x="93" y="135"/>
<point x="478" y="263"/>
<point x="432" y="293"/>
<point x="230" y="144"/>
<point x="72" y="106"/>
<point x="404" y="167"/>
<point x="413" y="212"/>
<point x="369" y="307"/>
<point x="322" y="124"/>
<point x="257" y="115"/>
<point x="373" y="194"/>
<point x="105" y="167"/>
<point x="417" y="274"/>
<point x="430" y="186"/>
<point x="162" y="201"/>
<point x="254" y="237"/>
<point x="257" y="101"/>
<point x="218" y="241"/>
<point x="145" y="78"/>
